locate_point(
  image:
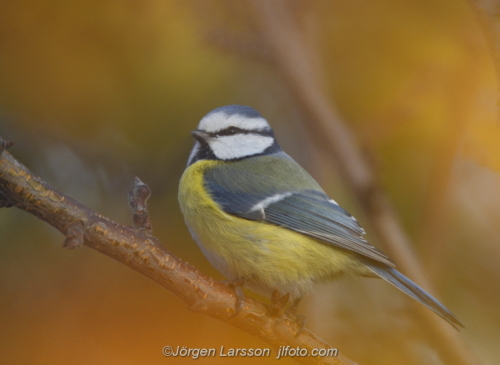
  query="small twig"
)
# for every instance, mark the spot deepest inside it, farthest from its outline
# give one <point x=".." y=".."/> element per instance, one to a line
<point x="138" y="201"/>
<point x="4" y="144"/>
<point x="141" y="253"/>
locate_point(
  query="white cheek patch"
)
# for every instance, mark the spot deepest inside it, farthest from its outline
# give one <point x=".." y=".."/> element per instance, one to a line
<point x="218" y="121"/>
<point x="239" y="145"/>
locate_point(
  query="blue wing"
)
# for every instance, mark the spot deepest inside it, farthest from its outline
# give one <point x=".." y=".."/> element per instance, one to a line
<point x="306" y="209"/>
<point x="314" y="214"/>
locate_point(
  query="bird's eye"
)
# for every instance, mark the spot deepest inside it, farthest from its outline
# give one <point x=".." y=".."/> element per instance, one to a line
<point x="232" y="130"/>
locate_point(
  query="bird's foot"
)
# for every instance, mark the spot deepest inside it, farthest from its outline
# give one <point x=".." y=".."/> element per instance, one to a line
<point x="299" y="319"/>
<point x="278" y="305"/>
<point x="237" y="286"/>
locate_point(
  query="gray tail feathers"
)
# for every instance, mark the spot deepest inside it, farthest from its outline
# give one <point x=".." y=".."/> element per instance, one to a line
<point x="413" y="290"/>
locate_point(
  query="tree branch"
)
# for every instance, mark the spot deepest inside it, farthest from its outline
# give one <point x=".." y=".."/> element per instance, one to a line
<point x="140" y="251"/>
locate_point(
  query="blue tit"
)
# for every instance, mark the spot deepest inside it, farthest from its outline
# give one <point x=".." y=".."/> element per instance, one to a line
<point x="262" y="220"/>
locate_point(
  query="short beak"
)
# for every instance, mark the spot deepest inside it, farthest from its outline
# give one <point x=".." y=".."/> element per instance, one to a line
<point x="200" y="136"/>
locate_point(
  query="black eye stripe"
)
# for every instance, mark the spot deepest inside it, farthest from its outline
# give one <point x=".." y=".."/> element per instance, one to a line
<point x="231" y="131"/>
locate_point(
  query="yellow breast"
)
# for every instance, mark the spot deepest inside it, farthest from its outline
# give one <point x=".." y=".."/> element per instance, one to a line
<point x="271" y="257"/>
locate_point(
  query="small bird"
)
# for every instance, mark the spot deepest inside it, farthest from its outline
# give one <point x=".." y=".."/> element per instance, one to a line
<point x="265" y="223"/>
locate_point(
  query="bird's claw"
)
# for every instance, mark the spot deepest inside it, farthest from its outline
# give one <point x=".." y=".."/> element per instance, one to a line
<point x="236" y="285"/>
<point x="301" y="322"/>
<point x="278" y="305"/>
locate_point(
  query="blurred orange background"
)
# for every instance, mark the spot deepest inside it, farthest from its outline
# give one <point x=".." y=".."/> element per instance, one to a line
<point x="95" y="93"/>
